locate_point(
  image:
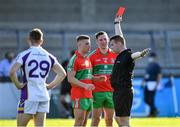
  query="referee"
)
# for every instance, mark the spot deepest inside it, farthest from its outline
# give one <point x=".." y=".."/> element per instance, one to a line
<point x="121" y="78"/>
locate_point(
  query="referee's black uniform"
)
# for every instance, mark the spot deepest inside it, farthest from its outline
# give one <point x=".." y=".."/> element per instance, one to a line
<point x="121" y="82"/>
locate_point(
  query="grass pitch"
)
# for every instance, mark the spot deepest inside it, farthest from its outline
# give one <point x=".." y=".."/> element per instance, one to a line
<point x="135" y="122"/>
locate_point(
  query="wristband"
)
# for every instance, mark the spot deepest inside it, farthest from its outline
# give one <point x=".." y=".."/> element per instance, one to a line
<point x="116" y="22"/>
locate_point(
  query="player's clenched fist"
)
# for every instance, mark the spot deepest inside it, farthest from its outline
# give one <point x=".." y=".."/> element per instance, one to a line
<point x="102" y="78"/>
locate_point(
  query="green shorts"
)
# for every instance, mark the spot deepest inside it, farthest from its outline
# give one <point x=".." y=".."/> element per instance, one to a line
<point x="103" y="100"/>
<point x="83" y="103"/>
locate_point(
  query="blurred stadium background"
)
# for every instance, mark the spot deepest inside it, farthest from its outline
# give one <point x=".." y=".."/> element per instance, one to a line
<point x="146" y="23"/>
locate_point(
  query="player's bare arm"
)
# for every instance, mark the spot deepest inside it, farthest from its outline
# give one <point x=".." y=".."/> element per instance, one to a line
<point x="13" y="76"/>
<point x="141" y="54"/>
<point x="61" y="74"/>
<point x="159" y="77"/>
<point x="73" y="80"/>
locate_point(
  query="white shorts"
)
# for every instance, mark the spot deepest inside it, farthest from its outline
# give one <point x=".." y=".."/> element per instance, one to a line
<point x="151" y="85"/>
<point x="32" y="107"/>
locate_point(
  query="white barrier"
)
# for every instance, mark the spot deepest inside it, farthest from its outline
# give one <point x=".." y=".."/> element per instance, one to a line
<point x="9" y="96"/>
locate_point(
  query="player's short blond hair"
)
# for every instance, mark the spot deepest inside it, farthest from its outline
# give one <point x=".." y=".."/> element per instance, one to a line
<point x="82" y="37"/>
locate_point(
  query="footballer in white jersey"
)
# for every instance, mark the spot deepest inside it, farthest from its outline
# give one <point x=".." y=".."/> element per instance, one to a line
<point x="36" y="64"/>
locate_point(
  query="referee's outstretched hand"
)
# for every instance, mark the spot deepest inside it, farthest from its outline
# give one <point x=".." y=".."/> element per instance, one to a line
<point x="145" y="52"/>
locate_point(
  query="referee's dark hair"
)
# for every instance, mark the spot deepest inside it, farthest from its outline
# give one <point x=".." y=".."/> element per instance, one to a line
<point x="82" y="37"/>
<point x="117" y="38"/>
<point x="36" y="34"/>
<point x="100" y="33"/>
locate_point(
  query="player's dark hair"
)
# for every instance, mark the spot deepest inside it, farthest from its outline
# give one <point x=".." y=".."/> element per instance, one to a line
<point x="36" y="34"/>
<point x="100" y="33"/>
<point x="82" y="37"/>
<point x="117" y="38"/>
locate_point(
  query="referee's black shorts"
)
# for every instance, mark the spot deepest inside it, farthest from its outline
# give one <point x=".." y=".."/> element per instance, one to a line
<point x="123" y="99"/>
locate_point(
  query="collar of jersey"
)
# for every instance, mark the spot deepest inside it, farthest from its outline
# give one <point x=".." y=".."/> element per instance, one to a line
<point x="35" y="47"/>
<point x="126" y="50"/>
<point x="79" y="55"/>
<point x="99" y="52"/>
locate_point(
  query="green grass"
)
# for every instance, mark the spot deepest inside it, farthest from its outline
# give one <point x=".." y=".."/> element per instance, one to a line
<point x="135" y="122"/>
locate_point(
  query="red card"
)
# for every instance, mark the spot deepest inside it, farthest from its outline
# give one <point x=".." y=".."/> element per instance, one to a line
<point x="120" y="11"/>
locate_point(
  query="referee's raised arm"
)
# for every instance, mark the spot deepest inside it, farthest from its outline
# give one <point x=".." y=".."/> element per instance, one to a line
<point x="118" y="29"/>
